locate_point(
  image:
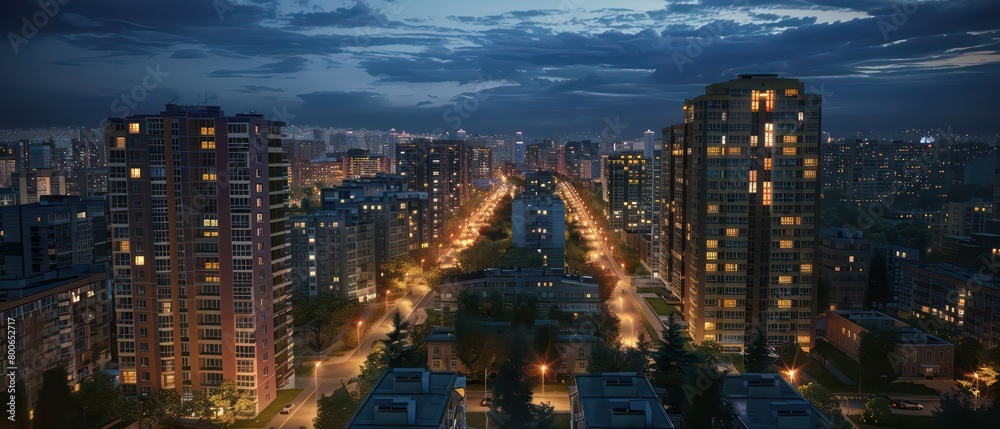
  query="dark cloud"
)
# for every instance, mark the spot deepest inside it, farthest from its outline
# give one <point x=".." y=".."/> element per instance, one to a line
<point x="252" y="89"/>
<point x="290" y="65"/>
<point x="358" y="15"/>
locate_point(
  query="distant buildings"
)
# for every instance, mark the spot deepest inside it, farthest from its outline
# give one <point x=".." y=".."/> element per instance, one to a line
<point x="481" y="163"/>
<point x="538" y="222"/>
<point x="844" y="261"/>
<point x="332" y="168"/>
<point x="413" y="398"/>
<point x="949" y="298"/>
<point x="552" y="288"/>
<point x="54" y="234"/>
<point x="441" y="169"/>
<point x="583" y="160"/>
<point x="919" y="354"/>
<point x="333" y="252"/>
<point x="198" y="206"/>
<point x="539" y="183"/>
<point x="61" y="317"/>
<point x="615" y="400"/>
<point x="768" y="401"/>
<point x="32" y="185"/>
<point x="741" y="224"/>
<point x="965" y="219"/>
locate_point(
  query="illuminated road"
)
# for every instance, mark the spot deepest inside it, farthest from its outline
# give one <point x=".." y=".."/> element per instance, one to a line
<point x="332" y="372"/>
<point x="625" y="303"/>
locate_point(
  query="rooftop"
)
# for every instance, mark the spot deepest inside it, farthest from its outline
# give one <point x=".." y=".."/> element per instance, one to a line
<point x="618" y="400"/>
<point x="408" y="398"/>
<point x="768" y="401"/>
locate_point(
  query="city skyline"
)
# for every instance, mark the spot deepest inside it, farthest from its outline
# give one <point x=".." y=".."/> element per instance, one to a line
<point x="445" y="66"/>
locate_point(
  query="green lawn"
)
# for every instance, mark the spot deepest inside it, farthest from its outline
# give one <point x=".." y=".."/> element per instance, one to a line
<point x="660" y="307"/>
<point x="650" y="330"/>
<point x="265" y="417"/>
<point x="903" y="421"/>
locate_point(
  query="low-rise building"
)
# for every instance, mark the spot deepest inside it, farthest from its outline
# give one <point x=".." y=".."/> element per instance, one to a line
<point x="920" y="354"/>
<point x="767" y="401"/>
<point x="571" y="294"/>
<point x="615" y="400"/>
<point x="413" y="398"/>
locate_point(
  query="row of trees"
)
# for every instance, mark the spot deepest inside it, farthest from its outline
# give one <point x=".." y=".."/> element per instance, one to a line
<point x="325" y="317"/>
<point x="99" y="401"/>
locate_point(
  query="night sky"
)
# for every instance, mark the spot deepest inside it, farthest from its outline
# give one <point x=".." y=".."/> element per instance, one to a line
<point x="538" y="66"/>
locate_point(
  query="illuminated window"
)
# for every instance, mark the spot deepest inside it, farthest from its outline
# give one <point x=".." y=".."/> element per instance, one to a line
<point x="784" y="303"/>
<point x="133" y="128"/>
<point x="210" y="222"/>
<point x="709" y="326"/>
<point x="786" y="244"/>
<point x="791" y="92"/>
<point x="119" y="143"/>
<point x="207" y="131"/>
<point x="790" y="151"/>
<point x="712" y="244"/>
<point x="810" y="162"/>
<point x="809" y="174"/>
<point x="125" y="246"/>
<point x="753" y="187"/>
<point x="753" y="175"/>
<point x="732" y="267"/>
<point x="789" y="139"/>
<point x="732" y="232"/>
<point x="135" y="173"/>
<point x="784" y="279"/>
<point x="711" y="267"/>
<point x="713" y="208"/>
<point x="850" y="259"/>
<point x="788" y="220"/>
<point x="803" y="339"/>
<point x="767" y="164"/>
<point x="802" y="116"/>
<point x="806" y="268"/>
<point x="753" y="141"/>
<point x="211" y="234"/>
<point x="711" y="256"/>
<point x="713" y="150"/>
<point x="767" y="194"/>
<point x="733" y="151"/>
<point x="128" y="377"/>
<point x="208" y="144"/>
<point x="211" y="265"/>
<point x="140" y="260"/>
<point x="208" y="176"/>
<point x="729" y="303"/>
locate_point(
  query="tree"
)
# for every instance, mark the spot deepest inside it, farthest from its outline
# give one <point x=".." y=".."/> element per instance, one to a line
<point x="101" y="396"/>
<point x="156" y="411"/>
<point x="54" y="406"/>
<point x="199" y="406"/>
<point x="399" y="350"/>
<point x="824" y="400"/>
<point x="876" y="412"/>
<point x="671" y="362"/>
<point x="968" y="351"/>
<point x="980" y="381"/>
<point x="758" y="354"/>
<point x="789" y="354"/>
<point x="372" y="369"/>
<point x="20" y="418"/>
<point x="525" y="310"/>
<point x="877" y="355"/>
<point x="512" y="392"/>
<point x="336" y="410"/>
<point x="230" y="403"/>
<point x="710" y="351"/>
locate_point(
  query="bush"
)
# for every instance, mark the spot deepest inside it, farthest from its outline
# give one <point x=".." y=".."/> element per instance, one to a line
<point x="876" y="412"/>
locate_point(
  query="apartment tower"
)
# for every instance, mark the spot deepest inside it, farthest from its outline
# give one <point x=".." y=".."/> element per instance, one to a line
<point x="198" y="204"/>
<point x="740" y="234"/>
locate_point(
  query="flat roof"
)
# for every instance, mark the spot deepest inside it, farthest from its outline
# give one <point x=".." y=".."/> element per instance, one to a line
<point x="605" y="395"/>
<point x="759" y="399"/>
<point x="429" y="405"/>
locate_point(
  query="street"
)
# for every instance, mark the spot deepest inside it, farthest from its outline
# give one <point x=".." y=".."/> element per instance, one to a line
<point x="332" y="372"/>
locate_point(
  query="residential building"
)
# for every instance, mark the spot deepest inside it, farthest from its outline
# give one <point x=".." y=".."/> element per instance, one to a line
<point x="60" y="317"/>
<point x="844" y="261"/>
<point x="539" y="183"/>
<point x="571" y="294"/>
<point x="439" y="168"/>
<point x="742" y="174"/>
<point x="919" y="354"/>
<point x="627" y="177"/>
<point x="481" y="163"/>
<point x="612" y="400"/>
<point x="333" y="252"/>
<point x="53" y="234"/>
<point x="953" y="299"/>
<point x="574" y="346"/>
<point x="198" y="204"/>
<point x="539" y="222"/>
<point x="766" y="401"/>
<point x="413" y="398"/>
<point x="965" y="219"/>
<point x="32" y="185"/>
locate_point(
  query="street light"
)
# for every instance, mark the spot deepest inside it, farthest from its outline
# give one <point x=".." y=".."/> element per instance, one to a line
<point x="791" y="376"/>
<point x="359" y="333"/>
<point x="387" y="293"/>
<point x="543" y="378"/>
<point x="621" y="304"/>
<point x="316" y="376"/>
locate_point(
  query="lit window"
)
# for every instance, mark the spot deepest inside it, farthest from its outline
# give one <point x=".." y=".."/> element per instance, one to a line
<point x="802" y="116"/>
<point x="809" y="174"/>
<point x="810" y="162"/>
<point x="784" y="303"/>
<point x="133" y="128"/>
<point x="713" y="208"/>
<point x="140" y="260"/>
<point x="210" y="222"/>
<point x="208" y="177"/>
<point x="732" y="267"/>
<point x="711" y="267"/>
<point x="789" y="151"/>
<point x="729" y="303"/>
<point x="135" y="173"/>
<point x="791" y="92"/>
<point x="713" y="150"/>
<point x="712" y="244"/>
<point x="119" y="143"/>
<point x="788" y="220"/>
<point x="767" y="163"/>
<point x="789" y="139"/>
<point x="732" y="232"/>
<point x="207" y="131"/>
<point x="803" y="339"/>
<point x="711" y="256"/>
<point x="733" y="151"/>
<point x="125" y="247"/>
<point x="850" y="259"/>
<point x="806" y="268"/>
<point x="709" y="326"/>
<point x="784" y="279"/>
<point x="208" y="144"/>
<point x="786" y="244"/>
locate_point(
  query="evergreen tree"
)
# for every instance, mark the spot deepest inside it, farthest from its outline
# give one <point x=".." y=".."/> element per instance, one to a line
<point x="513" y="393"/>
<point x="336" y="410"/>
<point x="399" y="351"/>
<point x="671" y="362"/>
<point x="102" y="397"/>
<point x="758" y="354"/>
<point x="55" y="401"/>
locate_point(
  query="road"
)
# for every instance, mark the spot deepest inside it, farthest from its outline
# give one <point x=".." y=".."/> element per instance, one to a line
<point x="332" y="372"/>
<point x="626" y="303"/>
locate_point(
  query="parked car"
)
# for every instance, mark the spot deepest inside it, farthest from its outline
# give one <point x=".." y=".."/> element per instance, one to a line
<point x="908" y="405"/>
<point x="286" y="409"/>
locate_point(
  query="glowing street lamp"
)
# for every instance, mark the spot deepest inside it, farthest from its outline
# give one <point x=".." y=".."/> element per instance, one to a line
<point x="359" y="333"/>
<point x="387" y="293"/>
<point x="543" y="378"/>
<point x="621" y="304"/>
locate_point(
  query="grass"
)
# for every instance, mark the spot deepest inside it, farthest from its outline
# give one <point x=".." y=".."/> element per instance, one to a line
<point x="657" y="290"/>
<point x="339" y="349"/>
<point x="660" y="307"/>
<point x="903" y="421"/>
<point x="650" y="330"/>
<point x="477" y="420"/>
<point x="265" y="416"/>
<point x="433" y="317"/>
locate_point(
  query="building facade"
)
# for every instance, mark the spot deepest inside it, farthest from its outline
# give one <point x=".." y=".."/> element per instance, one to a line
<point x="745" y="198"/>
<point x="539" y="222"/>
<point x="439" y="168"/>
<point x="919" y="354"/>
<point x="627" y="179"/>
<point x="571" y="294"/>
<point x="198" y="204"/>
<point x="333" y="252"/>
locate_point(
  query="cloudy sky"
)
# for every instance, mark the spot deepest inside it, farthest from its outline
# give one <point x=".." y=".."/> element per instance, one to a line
<point x="539" y="66"/>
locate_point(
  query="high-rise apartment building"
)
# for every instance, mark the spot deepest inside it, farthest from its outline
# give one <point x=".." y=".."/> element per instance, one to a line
<point x="334" y="253"/>
<point x="627" y="179"/>
<point x="53" y="234"/>
<point x="198" y="204"/>
<point x="538" y="222"/>
<point x="439" y="168"/>
<point x="743" y="207"/>
<point x="481" y="163"/>
<point x="32" y="185"/>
